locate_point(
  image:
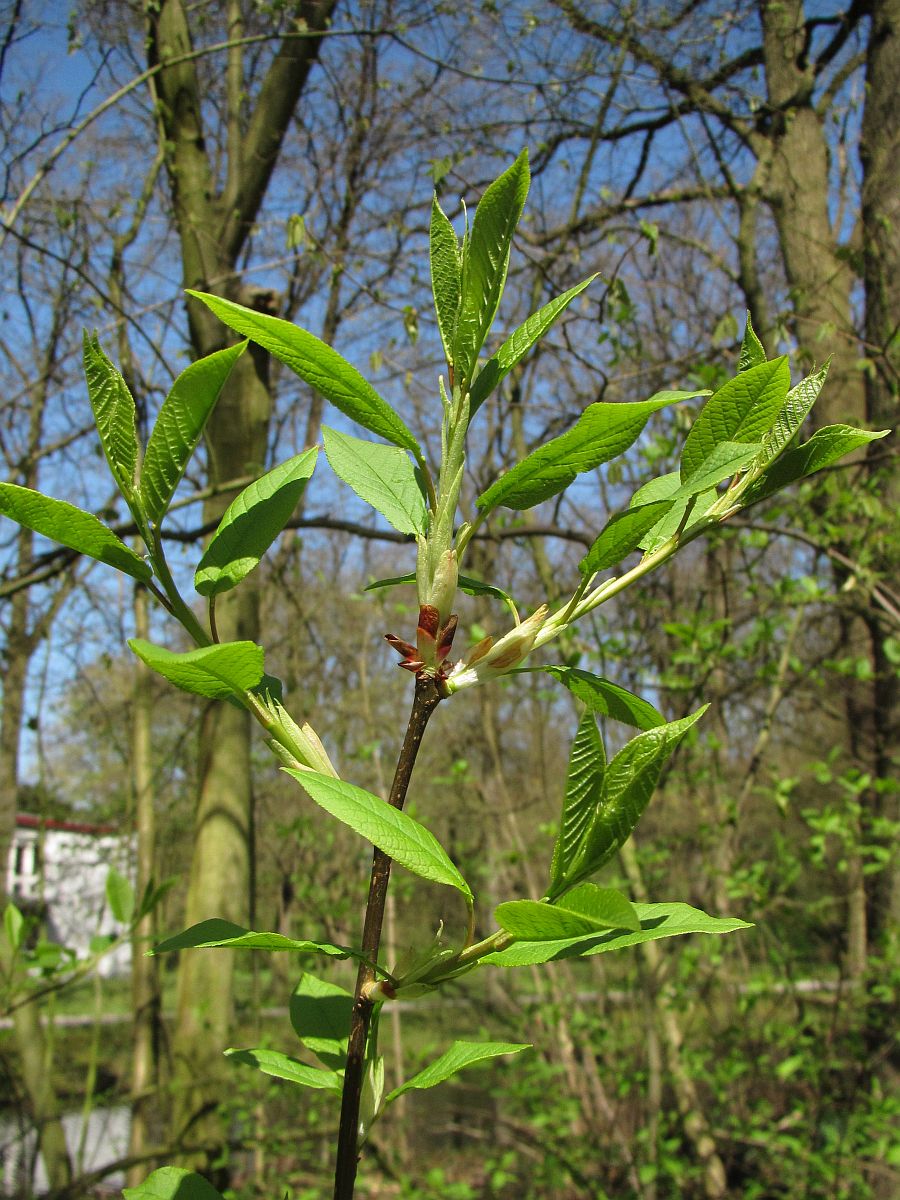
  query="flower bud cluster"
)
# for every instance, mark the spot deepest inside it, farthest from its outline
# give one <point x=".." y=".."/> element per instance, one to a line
<point x="490" y="659"/>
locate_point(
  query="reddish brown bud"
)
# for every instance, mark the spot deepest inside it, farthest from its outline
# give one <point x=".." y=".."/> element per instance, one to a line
<point x="445" y="638"/>
<point x="429" y="620"/>
<point x="404" y="648"/>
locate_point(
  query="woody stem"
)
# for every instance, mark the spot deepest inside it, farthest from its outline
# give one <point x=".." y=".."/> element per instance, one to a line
<point x="426" y="699"/>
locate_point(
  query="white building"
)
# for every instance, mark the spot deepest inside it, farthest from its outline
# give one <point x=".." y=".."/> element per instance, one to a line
<point x="60" y="869"/>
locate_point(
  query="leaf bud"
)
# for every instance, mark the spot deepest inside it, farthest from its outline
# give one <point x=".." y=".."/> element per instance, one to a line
<point x="443" y="585"/>
<point x="299" y="742"/>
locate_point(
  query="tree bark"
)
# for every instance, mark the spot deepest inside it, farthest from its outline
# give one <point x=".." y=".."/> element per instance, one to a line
<point x="797" y="190"/>
<point x="213" y="227"/>
<point x="880" y="155"/>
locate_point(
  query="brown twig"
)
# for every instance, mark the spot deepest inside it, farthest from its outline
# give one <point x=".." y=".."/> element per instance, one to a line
<point x="426" y="699"/>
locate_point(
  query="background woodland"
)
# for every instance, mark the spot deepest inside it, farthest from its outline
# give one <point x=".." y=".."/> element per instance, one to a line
<point x="708" y="159"/>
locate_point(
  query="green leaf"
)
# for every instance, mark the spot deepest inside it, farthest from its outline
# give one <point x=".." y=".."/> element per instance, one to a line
<point x="318" y="365"/>
<point x="372" y="1094"/>
<point x="622" y="534"/>
<point x="606" y="906"/>
<point x="13" y="923"/>
<point x="602" y="432"/>
<point x="628" y="784"/>
<point x="251" y="523"/>
<point x="743" y="410"/>
<point x="584" y="782"/>
<point x="272" y="1062"/>
<point x="724" y="461"/>
<point x="753" y="352"/>
<point x="173" y="1183"/>
<point x="825" y="447"/>
<point x="657" y="921"/>
<point x="797" y="406"/>
<point x="227" y="669"/>
<point x="320" y="1014"/>
<point x="668" y="487"/>
<point x="445" y="275"/>
<point x="179" y="426"/>
<point x="456" y="1059"/>
<point x="398" y="835"/>
<point x="518" y="344"/>
<point x="383" y="476"/>
<point x="120" y="895"/>
<point x="153" y="895"/>
<point x="604" y="697"/>
<point x="216" y="932"/>
<point x="70" y="526"/>
<point x="585" y="910"/>
<point x="698" y="493"/>
<point x="114" y="414"/>
<point x="485" y="263"/>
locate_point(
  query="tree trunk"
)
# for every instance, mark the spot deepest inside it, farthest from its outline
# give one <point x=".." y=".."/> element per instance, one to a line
<point x="213" y="225"/>
<point x="880" y="154"/>
<point x="797" y="191"/>
<point x="24" y="634"/>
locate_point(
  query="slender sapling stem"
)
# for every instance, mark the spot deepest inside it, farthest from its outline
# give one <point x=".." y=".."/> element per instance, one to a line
<point x="425" y="701"/>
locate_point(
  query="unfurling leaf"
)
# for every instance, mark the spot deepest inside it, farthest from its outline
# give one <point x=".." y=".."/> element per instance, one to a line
<point x="797" y="406"/>
<point x="179" y="426"/>
<point x="605" y="906"/>
<point x="753" y="352"/>
<point x="251" y="523"/>
<point x="70" y="526"/>
<point x="628" y="784"/>
<point x="485" y="262"/>
<point x="605" y="697"/>
<point x="586" y="909"/>
<point x="445" y="275"/>
<point x="114" y="414"/>
<point x="825" y="447"/>
<point x="584" y="783"/>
